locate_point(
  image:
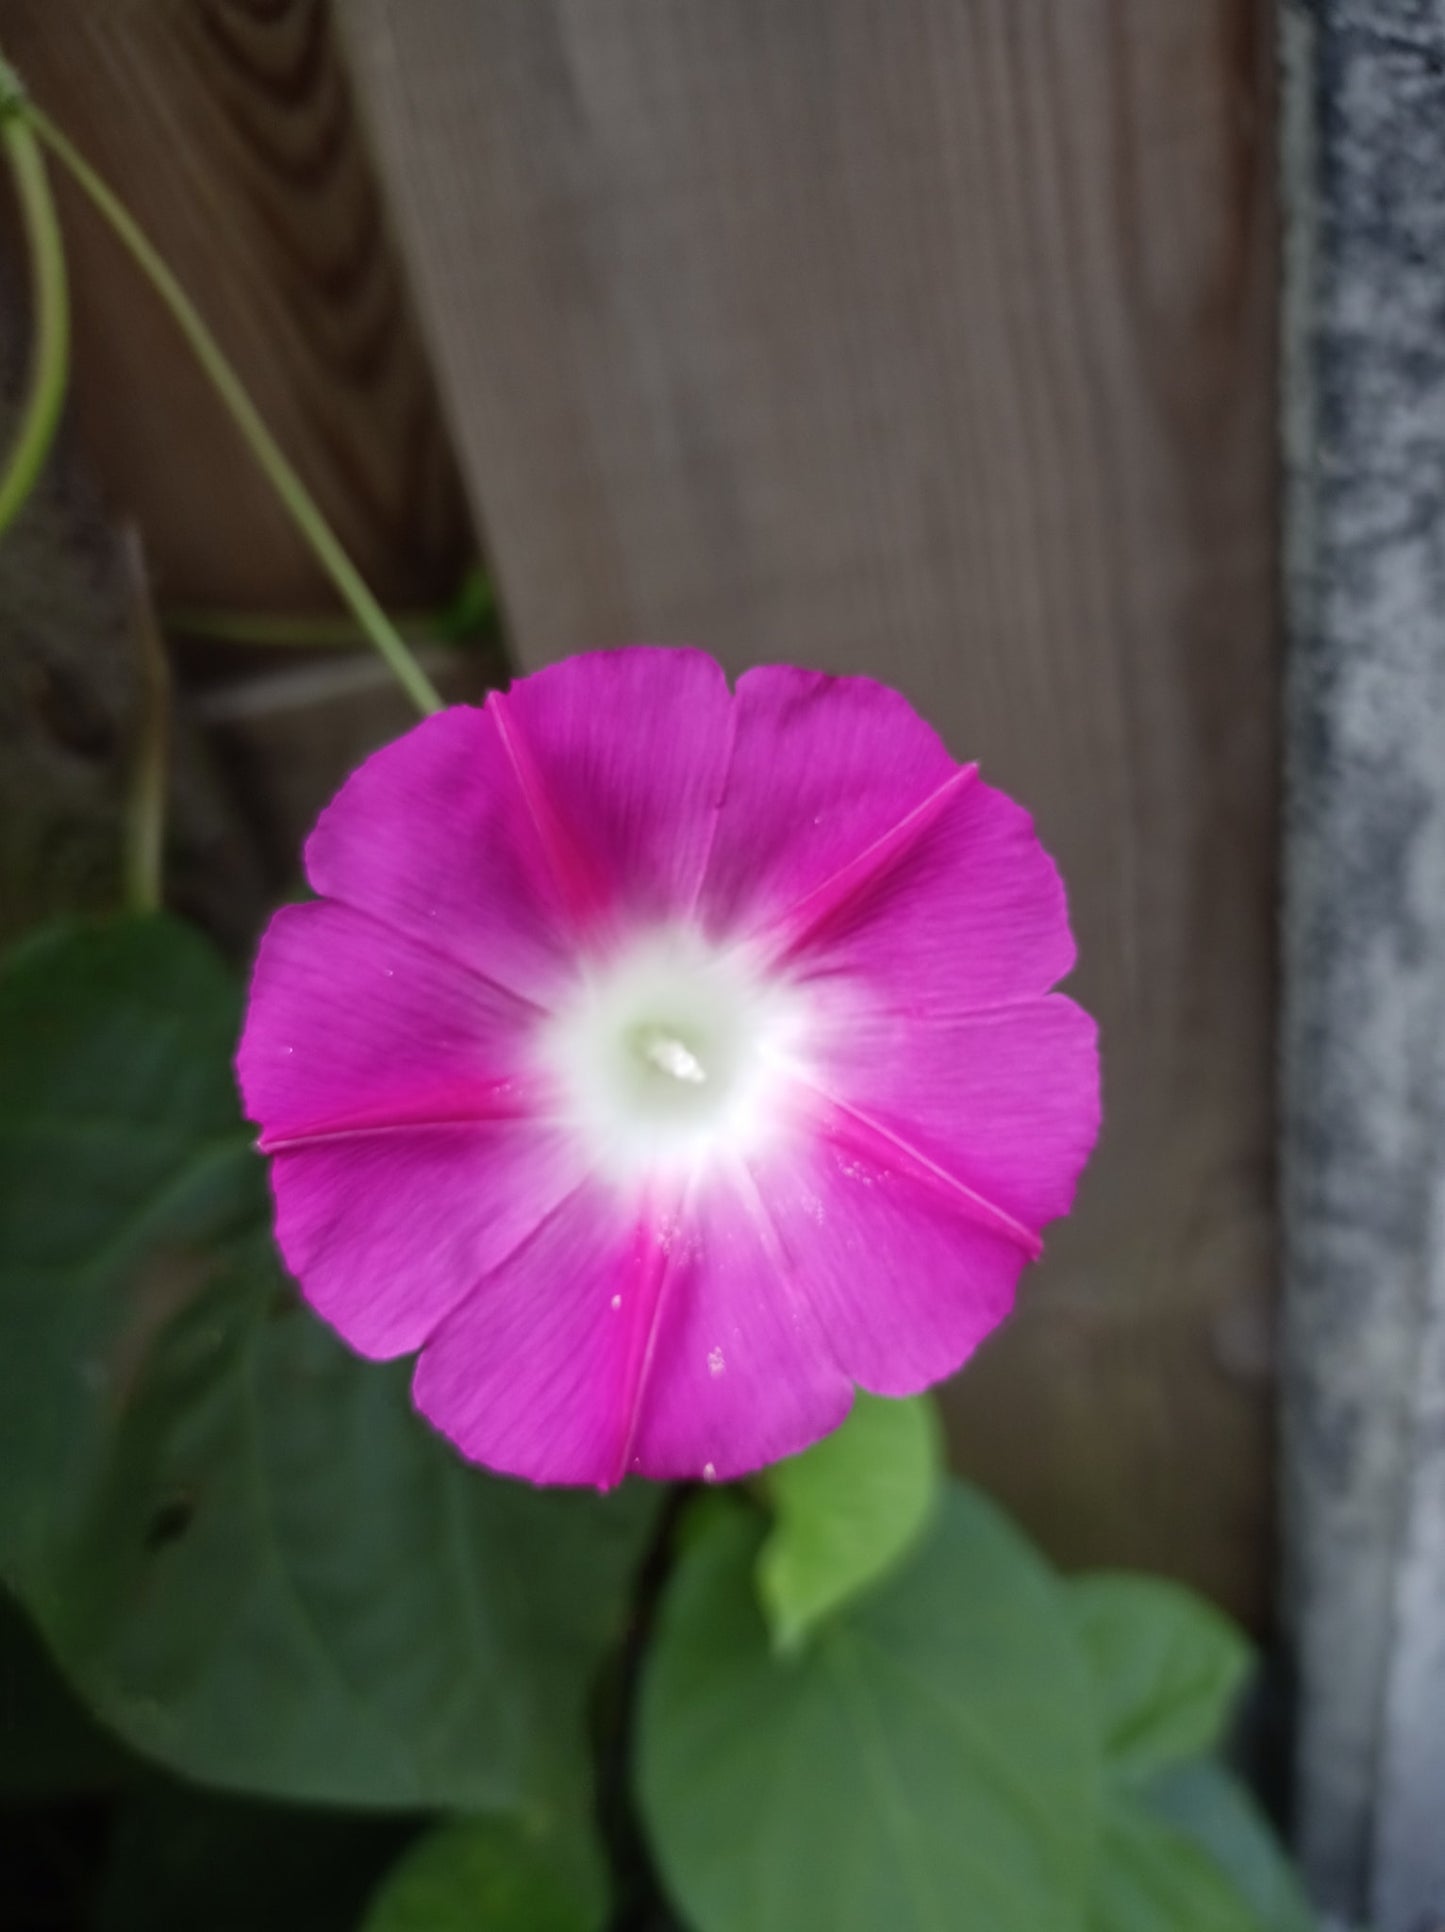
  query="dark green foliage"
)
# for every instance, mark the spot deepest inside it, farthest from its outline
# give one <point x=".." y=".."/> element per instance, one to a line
<point x="235" y="1552"/>
<point x="246" y="1552"/>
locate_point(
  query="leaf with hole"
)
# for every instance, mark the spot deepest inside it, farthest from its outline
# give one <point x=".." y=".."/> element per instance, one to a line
<point x="246" y="1552"/>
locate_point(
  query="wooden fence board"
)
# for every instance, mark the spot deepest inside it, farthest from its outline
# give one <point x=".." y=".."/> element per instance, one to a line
<point x="934" y="340"/>
<point x="228" y="127"/>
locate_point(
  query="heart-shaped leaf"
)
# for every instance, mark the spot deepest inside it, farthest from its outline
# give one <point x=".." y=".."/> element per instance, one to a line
<point x="247" y="1553"/>
<point x="1206" y="1805"/>
<point x="928" y="1761"/>
<point x="1152" y="1878"/>
<point x="493" y="1873"/>
<point x="1168" y="1669"/>
<point x="847" y="1510"/>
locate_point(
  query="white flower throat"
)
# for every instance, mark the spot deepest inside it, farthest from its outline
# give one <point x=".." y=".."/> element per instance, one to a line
<point x="663" y="1050"/>
<point x="672" y="1053"/>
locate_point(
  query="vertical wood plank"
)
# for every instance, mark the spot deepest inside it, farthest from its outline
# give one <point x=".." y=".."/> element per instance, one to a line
<point x="229" y="129"/>
<point x="934" y="341"/>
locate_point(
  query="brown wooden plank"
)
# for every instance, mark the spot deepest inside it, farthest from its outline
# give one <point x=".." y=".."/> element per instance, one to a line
<point x="228" y="127"/>
<point x="935" y="340"/>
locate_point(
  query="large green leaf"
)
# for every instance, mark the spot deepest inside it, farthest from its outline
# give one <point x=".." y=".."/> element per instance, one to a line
<point x="1155" y="1879"/>
<point x="1205" y="1804"/>
<point x="1167" y="1666"/>
<point x="242" y="1546"/>
<point x="927" y="1762"/>
<point x="493" y="1875"/>
<point x="847" y="1510"/>
<point x="1184" y="1846"/>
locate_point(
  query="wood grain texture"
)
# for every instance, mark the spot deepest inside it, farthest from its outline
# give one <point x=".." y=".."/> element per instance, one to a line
<point x="228" y="127"/>
<point x="934" y="340"/>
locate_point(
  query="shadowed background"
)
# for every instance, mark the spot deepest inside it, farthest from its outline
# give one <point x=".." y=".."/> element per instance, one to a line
<point x="934" y="342"/>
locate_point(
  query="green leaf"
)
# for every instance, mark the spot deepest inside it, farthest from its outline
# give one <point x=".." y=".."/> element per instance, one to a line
<point x="471" y="613"/>
<point x="1204" y="1803"/>
<point x="1184" y="1846"/>
<point x="847" y="1510"/>
<point x="928" y="1761"/>
<point x="187" y="1860"/>
<point x="246" y="1552"/>
<point x="1167" y="1666"/>
<point x="1154" y="1879"/>
<point x="492" y="1873"/>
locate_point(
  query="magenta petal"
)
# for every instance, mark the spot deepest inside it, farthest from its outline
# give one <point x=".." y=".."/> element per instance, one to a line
<point x="1005" y="1100"/>
<point x="795" y="905"/>
<point x="850" y="841"/>
<point x="618" y="1342"/>
<point x="628" y="750"/>
<point x="387" y="1231"/>
<point x="432" y="837"/>
<point x="530" y="1374"/>
<point x="583" y="797"/>
<point x="352" y="1023"/>
<point x="394" y="1089"/>
<point x="970" y="915"/>
<point x="740" y="1371"/>
<point x="822" y="768"/>
<point x="904" y="1275"/>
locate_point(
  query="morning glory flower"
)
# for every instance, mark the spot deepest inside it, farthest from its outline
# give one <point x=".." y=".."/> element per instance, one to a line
<point x="660" y="1062"/>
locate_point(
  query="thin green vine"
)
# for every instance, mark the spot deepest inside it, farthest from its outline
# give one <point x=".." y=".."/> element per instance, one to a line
<point x="50" y="336"/>
<point x="302" y="506"/>
<point x="145" y="821"/>
<point x="470" y="617"/>
<point x="266" y="630"/>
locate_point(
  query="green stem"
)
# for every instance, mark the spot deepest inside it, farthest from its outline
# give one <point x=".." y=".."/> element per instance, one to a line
<point x="469" y="617"/>
<point x="261" y="628"/>
<point x="146" y="807"/>
<point x="50" y="339"/>
<point x="298" y="500"/>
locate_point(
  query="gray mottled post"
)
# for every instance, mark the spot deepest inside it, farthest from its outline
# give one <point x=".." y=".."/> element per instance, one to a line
<point x="1364" y="1146"/>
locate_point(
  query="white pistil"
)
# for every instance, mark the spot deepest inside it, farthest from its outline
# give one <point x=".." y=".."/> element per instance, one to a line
<point x="670" y="1055"/>
<point x="672" y="1052"/>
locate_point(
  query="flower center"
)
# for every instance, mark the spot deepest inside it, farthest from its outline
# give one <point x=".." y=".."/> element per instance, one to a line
<point x="671" y="1054"/>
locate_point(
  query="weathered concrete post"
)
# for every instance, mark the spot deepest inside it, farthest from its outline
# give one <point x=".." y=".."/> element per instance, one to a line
<point x="1364" y="1128"/>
